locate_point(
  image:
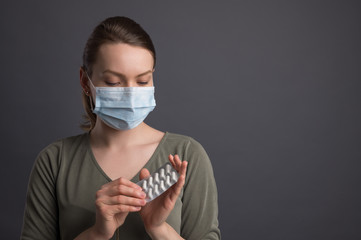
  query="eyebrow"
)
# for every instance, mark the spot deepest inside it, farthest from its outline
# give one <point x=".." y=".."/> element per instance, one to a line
<point x="123" y="76"/>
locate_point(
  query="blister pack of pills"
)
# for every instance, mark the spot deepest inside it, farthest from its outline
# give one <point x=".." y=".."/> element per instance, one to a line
<point x="159" y="181"/>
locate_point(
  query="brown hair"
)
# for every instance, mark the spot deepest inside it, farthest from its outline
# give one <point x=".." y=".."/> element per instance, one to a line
<point x="111" y="30"/>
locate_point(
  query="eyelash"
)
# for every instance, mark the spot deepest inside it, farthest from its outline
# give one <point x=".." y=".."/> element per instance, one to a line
<point x="142" y="83"/>
<point x="114" y="84"/>
<point x="111" y="84"/>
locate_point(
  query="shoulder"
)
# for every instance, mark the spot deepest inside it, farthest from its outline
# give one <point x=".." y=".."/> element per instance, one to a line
<point x="188" y="148"/>
<point x="52" y="153"/>
<point x="64" y="142"/>
<point x="183" y="139"/>
<point x="182" y="144"/>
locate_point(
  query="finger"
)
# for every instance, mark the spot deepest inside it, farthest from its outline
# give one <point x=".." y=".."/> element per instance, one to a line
<point x="121" y="190"/>
<point x="177" y="162"/>
<point x="121" y="181"/>
<point x="121" y="208"/>
<point x="106" y="209"/>
<point x="180" y="183"/>
<point x="171" y="160"/>
<point x="183" y="170"/>
<point x="125" y="200"/>
<point x="144" y="173"/>
<point x="182" y="176"/>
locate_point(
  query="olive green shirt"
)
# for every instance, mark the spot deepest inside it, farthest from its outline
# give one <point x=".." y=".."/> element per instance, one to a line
<point x="60" y="201"/>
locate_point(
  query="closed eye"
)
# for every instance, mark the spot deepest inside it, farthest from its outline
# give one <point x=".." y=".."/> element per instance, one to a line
<point x="112" y="84"/>
<point x="142" y="83"/>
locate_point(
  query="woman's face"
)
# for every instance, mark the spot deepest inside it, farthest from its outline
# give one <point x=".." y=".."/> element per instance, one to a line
<point x="122" y="65"/>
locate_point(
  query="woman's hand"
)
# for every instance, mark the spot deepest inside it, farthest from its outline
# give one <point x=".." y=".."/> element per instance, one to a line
<point x="156" y="212"/>
<point x="113" y="203"/>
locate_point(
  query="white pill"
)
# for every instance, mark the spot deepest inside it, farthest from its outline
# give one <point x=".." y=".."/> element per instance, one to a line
<point x="156" y="190"/>
<point x="162" y="187"/>
<point x="156" y="177"/>
<point x="174" y="176"/>
<point x="168" y="181"/>
<point x="162" y="175"/>
<point x="145" y="185"/>
<point x="150" y="193"/>
<point x="150" y="181"/>
<point x="168" y="168"/>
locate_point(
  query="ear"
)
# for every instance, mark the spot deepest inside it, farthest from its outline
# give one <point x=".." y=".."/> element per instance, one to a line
<point x="84" y="82"/>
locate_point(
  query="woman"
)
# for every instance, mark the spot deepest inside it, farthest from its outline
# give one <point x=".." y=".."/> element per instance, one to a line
<point x="84" y="187"/>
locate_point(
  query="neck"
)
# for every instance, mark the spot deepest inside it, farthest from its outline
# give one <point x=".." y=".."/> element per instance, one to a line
<point x="104" y="136"/>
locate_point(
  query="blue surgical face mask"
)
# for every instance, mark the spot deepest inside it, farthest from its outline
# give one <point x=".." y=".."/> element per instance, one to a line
<point x="123" y="108"/>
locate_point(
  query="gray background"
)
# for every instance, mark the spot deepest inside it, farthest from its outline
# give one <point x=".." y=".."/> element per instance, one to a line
<point x="270" y="88"/>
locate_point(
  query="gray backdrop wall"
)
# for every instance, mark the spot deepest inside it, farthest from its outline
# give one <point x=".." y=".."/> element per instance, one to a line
<point x="270" y="88"/>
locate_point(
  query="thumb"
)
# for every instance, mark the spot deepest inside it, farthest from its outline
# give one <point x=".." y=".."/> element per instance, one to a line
<point x="144" y="173"/>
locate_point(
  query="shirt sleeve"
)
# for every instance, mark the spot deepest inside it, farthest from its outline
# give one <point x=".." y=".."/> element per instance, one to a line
<point x="41" y="211"/>
<point x="200" y="200"/>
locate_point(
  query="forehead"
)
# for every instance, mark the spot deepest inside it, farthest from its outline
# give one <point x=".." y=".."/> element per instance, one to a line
<point x="124" y="58"/>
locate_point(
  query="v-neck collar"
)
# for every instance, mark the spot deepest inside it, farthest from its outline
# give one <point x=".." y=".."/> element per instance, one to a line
<point x="136" y="177"/>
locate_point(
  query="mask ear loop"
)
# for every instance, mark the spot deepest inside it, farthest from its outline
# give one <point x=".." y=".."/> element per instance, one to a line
<point x="91" y="103"/>
<point x="90" y="96"/>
